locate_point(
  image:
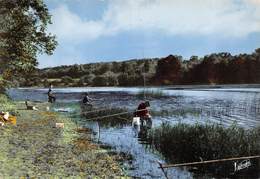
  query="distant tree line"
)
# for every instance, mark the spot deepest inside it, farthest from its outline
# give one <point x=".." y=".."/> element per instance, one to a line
<point x="216" y="68"/>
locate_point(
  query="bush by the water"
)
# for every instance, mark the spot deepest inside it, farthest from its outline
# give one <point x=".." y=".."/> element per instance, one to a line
<point x="6" y="104"/>
<point x="190" y="143"/>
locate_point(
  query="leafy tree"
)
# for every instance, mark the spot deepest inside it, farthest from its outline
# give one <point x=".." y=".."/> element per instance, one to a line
<point x="216" y="68"/>
<point x="146" y="66"/>
<point x="23" y="35"/>
<point x="112" y="81"/>
<point x="168" y="70"/>
<point x="104" y="68"/>
<point x="88" y="79"/>
<point x="67" y="79"/>
<point x="123" y="79"/>
<point x="100" y="81"/>
<point x="123" y="67"/>
<point x="115" y="67"/>
<point x="74" y="70"/>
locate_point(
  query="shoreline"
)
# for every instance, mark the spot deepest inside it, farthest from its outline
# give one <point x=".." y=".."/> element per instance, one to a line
<point x="34" y="147"/>
<point x="173" y="87"/>
<point x="220" y="86"/>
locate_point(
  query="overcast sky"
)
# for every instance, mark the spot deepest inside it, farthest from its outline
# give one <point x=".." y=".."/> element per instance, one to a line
<point x="108" y="30"/>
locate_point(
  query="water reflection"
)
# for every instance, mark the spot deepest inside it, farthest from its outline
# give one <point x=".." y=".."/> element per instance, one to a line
<point x="131" y="140"/>
<point x="141" y="131"/>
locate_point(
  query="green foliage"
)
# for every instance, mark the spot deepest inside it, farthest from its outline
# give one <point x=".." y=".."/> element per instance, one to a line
<point x="3" y="84"/>
<point x="6" y="104"/>
<point x="112" y="81"/>
<point x="122" y="79"/>
<point x="219" y="68"/>
<point x="23" y="36"/>
<point x="88" y="79"/>
<point x="168" y="70"/>
<point x="105" y="67"/>
<point x="130" y="80"/>
<point x="190" y="143"/>
<point x="67" y="79"/>
<point x="115" y="67"/>
<point x="146" y="66"/>
<point x="100" y="81"/>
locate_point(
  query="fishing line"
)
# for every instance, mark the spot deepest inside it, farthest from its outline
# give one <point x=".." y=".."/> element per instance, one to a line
<point x="112" y="115"/>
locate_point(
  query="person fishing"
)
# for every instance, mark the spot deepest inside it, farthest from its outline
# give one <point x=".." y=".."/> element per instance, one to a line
<point x="51" y="97"/>
<point x="143" y="112"/>
<point x="87" y="100"/>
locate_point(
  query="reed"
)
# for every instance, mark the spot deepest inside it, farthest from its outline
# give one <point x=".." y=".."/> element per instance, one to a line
<point x="189" y="143"/>
<point x="148" y="93"/>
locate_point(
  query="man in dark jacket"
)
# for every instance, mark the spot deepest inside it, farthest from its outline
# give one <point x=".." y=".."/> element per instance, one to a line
<point x="51" y="97"/>
<point x="87" y="100"/>
<point x="142" y="110"/>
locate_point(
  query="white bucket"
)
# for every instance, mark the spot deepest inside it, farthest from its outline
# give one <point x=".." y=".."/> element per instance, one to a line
<point x="136" y="121"/>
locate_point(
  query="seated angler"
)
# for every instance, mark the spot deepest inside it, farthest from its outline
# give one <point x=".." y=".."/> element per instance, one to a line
<point x="87" y="100"/>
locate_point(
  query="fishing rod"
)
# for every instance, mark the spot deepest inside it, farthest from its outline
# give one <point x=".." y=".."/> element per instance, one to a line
<point x="111" y="115"/>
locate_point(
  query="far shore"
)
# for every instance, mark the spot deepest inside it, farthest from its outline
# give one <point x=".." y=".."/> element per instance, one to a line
<point x="169" y="87"/>
<point x="214" y="86"/>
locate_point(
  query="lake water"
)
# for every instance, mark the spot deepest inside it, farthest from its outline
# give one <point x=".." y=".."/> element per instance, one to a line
<point x="222" y="106"/>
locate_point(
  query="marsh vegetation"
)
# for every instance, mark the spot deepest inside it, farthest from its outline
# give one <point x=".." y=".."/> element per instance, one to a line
<point x="183" y="143"/>
<point x="151" y="94"/>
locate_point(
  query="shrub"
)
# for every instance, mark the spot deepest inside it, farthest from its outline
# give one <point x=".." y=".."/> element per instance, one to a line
<point x="67" y="79"/>
<point x="100" y="81"/>
<point x="6" y="104"/>
<point x="88" y="79"/>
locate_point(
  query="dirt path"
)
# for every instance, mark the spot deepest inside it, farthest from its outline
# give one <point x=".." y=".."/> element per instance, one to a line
<point x="35" y="148"/>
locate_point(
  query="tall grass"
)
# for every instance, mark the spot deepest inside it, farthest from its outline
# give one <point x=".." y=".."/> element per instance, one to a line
<point x="6" y="104"/>
<point x="148" y="93"/>
<point x="190" y="143"/>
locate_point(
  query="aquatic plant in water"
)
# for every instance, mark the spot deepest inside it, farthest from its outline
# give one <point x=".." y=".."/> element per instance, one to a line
<point x="148" y="93"/>
<point x="190" y="143"/>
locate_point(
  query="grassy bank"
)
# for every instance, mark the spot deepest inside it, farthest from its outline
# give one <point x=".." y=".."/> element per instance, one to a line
<point x="35" y="148"/>
<point x="6" y="104"/>
<point x="189" y="143"/>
